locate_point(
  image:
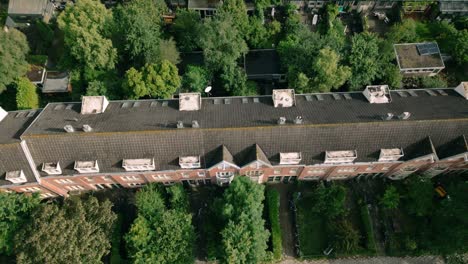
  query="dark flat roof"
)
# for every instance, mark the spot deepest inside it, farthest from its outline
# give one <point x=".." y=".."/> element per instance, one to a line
<point x="148" y="115"/>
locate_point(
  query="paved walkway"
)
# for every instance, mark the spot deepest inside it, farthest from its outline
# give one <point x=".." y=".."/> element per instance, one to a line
<point x="373" y="260"/>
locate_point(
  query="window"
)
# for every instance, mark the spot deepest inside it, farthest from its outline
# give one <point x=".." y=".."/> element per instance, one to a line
<point x="311" y="178"/>
<point x="99" y="186"/>
<point x="277" y="171"/>
<point x="185" y="174"/>
<point x="270" y="179"/>
<point x="342" y="170"/>
<point x="30" y="189"/>
<point x="133" y="184"/>
<point x="293" y="171"/>
<point x="107" y="178"/>
<point x="89" y="179"/>
<point x="74" y="187"/>
<point x="64" y="181"/>
<point x="130" y="178"/>
<point x="316" y="171"/>
<point x="254" y="173"/>
<point x="224" y="174"/>
<point x="201" y="174"/>
<point x="46" y="195"/>
<point x="370" y="168"/>
<point x="385" y="168"/>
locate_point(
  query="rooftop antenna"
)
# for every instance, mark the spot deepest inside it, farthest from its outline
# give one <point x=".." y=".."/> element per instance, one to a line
<point x="208" y="90"/>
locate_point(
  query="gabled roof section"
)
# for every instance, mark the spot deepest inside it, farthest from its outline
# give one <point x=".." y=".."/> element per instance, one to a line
<point x="255" y="153"/>
<point x="420" y="149"/>
<point x="453" y="148"/>
<point x="15" y="123"/>
<point x="220" y="154"/>
<point x="26" y="7"/>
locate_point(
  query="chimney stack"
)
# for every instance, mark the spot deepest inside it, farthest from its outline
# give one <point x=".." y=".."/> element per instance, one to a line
<point x="87" y="128"/>
<point x="389" y="116"/>
<point x="298" y="120"/>
<point x="69" y="129"/>
<point x="180" y="124"/>
<point x="195" y="124"/>
<point x="404" y="115"/>
<point x="282" y="120"/>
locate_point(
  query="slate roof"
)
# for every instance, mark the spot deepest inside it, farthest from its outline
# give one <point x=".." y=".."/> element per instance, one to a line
<point x="11" y="155"/>
<point x="148" y="129"/>
<point x="27" y="7"/>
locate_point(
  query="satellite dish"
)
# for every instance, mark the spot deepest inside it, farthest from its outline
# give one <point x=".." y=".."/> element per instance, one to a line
<point x="208" y="89"/>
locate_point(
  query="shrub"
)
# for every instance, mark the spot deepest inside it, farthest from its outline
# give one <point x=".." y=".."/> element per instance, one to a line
<point x="366" y="220"/>
<point x="26" y="94"/>
<point x="273" y="203"/>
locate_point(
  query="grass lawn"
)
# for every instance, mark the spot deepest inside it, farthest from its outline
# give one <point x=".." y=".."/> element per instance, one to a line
<point x="311" y="229"/>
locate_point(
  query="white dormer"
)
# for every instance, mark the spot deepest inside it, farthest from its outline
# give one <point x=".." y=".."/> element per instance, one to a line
<point x="86" y="166"/>
<point x="3" y="114"/>
<point x="283" y="98"/>
<point x="189" y="101"/>
<point x="16" y="177"/>
<point x="189" y="162"/>
<point x="138" y="164"/>
<point x="93" y="105"/>
<point x="392" y="154"/>
<point x="51" y="168"/>
<point x="462" y="89"/>
<point x="340" y="156"/>
<point x="377" y="94"/>
<point x="290" y="158"/>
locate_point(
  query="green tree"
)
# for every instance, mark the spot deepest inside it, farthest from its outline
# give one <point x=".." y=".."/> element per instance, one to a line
<point x="186" y="29"/>
<point x="433" y="82"/>
<point x="299" y="81"/>
<point x="419" y="196"/>
<point x="404" y="32"/>
<point x="138" y="25"/>
<point x="168" y="51"/>
<point x="364" y="60"/>
<point x="159" y="234"/>
<point x="391" y="198"/>
<point x="330" y="201"/>
<point x="222" y="43"/>
<point x="328" y="73"/>
<point x="234" y="80"/>
<point x="178" y="199"/>
<point x="96" y="88"/>
<point x="391" y="76"/>
<point x="244" y="237"/>
<point x="13" y="50"/>
<point x="26" y="94"/>
<point x="345" y="237"/>
<point x="77" y="232"/>
<point x="162" y="79"/>
<point x="195" y="79"/>
<point x="85" y="26"/>
<point x="460" y="48"/>
<point x="133" y="85"/>
<point x="237" y="11"/>
<point x="15" y="212"/>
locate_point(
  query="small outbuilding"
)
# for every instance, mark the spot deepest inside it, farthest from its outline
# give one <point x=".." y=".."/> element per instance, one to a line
<point x="419" y="59"/>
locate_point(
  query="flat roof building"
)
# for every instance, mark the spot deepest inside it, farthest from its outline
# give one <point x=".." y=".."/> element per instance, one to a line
<point x="419" y="59"/>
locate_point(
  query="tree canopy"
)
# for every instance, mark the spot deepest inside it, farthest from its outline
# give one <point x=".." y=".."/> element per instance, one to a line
<point x="13" y="50"/>
<point x="419" y="196"/>
<point x="329" y="74"/>
<point x="26" y="94"/>
<point x="160" y="233"/>
<point x="364" y="60"/>
<point x="244" y="237"/>
<point x="76" y="232"/>
<point x="391" y="198"/>
<point x="86" y="28"/>
<point x="15" y="212"/>
<point x="138" y="25"/>
<point x="195" y="79"/>
<point x="186" y="29"/>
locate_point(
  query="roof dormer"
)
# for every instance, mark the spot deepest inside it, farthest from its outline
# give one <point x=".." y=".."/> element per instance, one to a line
<point x="377" y="94"/>
<point x="283" y="98"/>
<point x="290" y="158"/>
<point x="3" y="114"/>
<point x="189" y="162"/>
<point x="138" y="164"/>
<point x="16" y="176"/>
<point x="86" y="166"/>
<point x="52" y="168"/>
<point x="93" y="105"/>
<point x="462" y="89"/>
<point x="392" y="154"/>
<point x="340" y="156"/>
<point x="189" y="101"/>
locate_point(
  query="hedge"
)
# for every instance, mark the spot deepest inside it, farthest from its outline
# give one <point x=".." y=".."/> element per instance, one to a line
<point x="115" y="257"/>
<point x="273" y="202"/>
<point x="366" y="220"/>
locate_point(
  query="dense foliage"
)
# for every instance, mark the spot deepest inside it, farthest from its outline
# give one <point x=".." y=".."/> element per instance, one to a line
<point x="162" y="231"/>
<point x="244" y="237"/>
<point x="273" y="202"/>
<point x="76" y="232"/>
<point x="391" y="198"/>
<point x="26" y="94"/>
<point x="13" y="50"/>
<point x="15" y="212"/>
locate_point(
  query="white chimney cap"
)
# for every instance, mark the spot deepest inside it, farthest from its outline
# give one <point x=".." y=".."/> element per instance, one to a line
<point x="189" y="101"/>
<point x="3" y="113"/>
<point x="284" y="98"/>
<point x="93" y="105"/>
